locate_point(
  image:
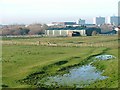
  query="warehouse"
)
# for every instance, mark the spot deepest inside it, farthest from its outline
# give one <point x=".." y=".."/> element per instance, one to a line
<point x="71" y="31"/>
<point x="67" y="31"/>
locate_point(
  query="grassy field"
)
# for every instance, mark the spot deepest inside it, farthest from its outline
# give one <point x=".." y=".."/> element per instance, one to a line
<point x="26" y="60"/>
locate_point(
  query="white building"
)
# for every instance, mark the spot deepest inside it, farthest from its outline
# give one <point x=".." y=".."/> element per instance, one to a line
<point x="81" y="22"/>
<point x="99" y="20"/>
<point x="64" y="32"/>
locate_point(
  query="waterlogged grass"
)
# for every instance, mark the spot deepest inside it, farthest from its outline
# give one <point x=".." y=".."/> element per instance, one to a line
<point x="25" y="65"/>
<point x="19" y="61"/>
<point x="110" y="68"/>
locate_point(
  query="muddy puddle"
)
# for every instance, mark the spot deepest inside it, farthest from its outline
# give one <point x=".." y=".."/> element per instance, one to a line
<point x="105" y="57"/>
<point x="77" y="77"/>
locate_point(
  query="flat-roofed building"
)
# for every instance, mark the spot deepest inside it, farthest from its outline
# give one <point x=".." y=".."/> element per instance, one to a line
<point x="81" y="22"/>
<point x="64" y="23"/>
<point x="114" y="20"/>
<point x="99" y="20"/>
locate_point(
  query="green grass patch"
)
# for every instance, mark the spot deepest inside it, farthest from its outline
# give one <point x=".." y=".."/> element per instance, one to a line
<point x="30" y="63"/>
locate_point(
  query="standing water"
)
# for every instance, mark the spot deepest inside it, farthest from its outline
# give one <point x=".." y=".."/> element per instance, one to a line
<point x="78" y="77"/>
<point x="104" y="57"/>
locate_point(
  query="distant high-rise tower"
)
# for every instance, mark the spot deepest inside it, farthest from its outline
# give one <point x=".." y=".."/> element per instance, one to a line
<point x="119" y="13"/>
<point x="114" y="20"/>
<point x="81" y="22"/>
<point x="99" y="20"/>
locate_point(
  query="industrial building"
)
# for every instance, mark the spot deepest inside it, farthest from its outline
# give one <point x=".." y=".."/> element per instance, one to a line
<point x="64" y="23"/>
<point x="65" y="32"/>
<point x="71" y="31"/>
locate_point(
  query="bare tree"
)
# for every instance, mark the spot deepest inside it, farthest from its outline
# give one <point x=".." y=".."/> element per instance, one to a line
<point x="35" y="29"/>
<point x="106" y="27"/>
<point x="14" y="30"/>
<point x="44" y="27"/>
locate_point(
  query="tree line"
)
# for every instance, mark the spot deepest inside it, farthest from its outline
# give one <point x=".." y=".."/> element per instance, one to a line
<point x="33" y="29"/>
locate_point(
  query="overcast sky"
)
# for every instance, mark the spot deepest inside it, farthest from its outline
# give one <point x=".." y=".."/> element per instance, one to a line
<point x="46" y="11"/>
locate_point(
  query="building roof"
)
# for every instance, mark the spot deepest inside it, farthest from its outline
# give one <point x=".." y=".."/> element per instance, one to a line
<point x="68" y="28"/>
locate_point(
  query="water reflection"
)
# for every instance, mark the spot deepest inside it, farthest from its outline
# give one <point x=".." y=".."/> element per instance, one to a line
<point x="78" y="77"/>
